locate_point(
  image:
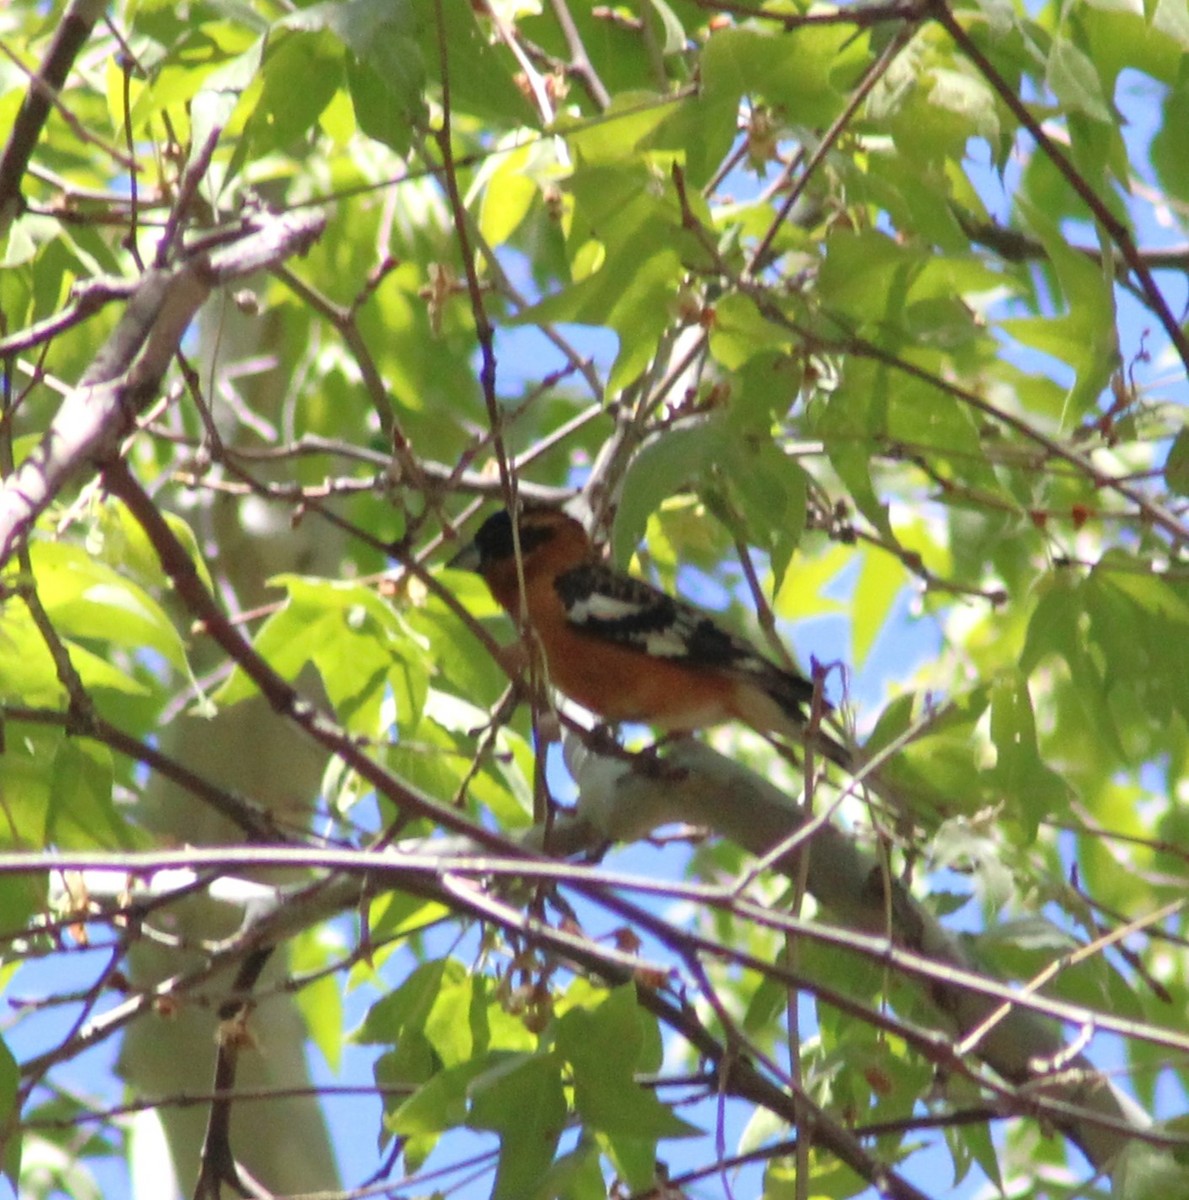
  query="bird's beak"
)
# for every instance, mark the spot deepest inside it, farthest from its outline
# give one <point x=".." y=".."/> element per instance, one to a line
<point x="467" y="559"/>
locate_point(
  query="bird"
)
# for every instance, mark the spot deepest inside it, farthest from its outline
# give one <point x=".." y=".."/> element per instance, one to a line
<point x="626" y="650"/>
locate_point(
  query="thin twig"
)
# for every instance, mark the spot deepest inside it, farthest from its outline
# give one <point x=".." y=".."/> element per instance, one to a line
<point x="861" y="15"/>
<point x="73" y="30"/>
<point x="871" y="76"/>
<point x="580" y="64"/>
<point x="940" y="11"/>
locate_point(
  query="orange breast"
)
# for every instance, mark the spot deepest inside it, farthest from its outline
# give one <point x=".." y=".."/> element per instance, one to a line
<point x="620" y="684"/>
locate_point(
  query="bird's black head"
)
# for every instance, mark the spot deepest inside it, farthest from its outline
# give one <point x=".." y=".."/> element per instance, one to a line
<point x="494" y="541"/>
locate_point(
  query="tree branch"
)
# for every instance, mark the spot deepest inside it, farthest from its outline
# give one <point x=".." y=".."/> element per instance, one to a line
<point x="74" y="28"/>
<point x="127" y="372"/>
<point x="706" y="788"/>
<point x="939" y="10"/>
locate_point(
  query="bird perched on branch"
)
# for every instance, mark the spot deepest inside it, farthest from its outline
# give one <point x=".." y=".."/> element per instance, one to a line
<point x="624" y="649"/>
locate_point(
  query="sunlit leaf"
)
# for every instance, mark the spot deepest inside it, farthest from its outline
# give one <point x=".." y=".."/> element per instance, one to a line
<point x="522" y="1099"/>
<point x="881" y="580"/>
<point x="320" y="1000"/>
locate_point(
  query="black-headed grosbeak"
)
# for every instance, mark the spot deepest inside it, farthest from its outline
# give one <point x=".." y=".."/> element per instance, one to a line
<point x="624" y="649"/>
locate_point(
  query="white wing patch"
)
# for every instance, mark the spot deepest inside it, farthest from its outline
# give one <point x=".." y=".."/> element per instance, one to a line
<point x="628" y="618"/>
<point x="599" y="606"/>
<point x="665" y="643"/>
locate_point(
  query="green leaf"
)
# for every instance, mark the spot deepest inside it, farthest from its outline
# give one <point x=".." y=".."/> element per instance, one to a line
<point x="81" y="813"/>
<point x="28" y="674"/>
<point x="771" y="490"/>
<point x="26" y="778"/>
<point x="393" y="915"/>
<point x="10" y="1078"/>
<point x="940" y="769"/>
<point x="933" y="108"/>
<point x="1169" y="149"/>
<point x="850" y="424"/>
<point x="86" y="599"/>
<point x="622" y="239"/>
<point x="509" y="191"/>
<point x="521" y="1099"/>
<point x="1176" y="465"/>
<point x="663" y="467"/>
<point x="320" y="1001"/>
<point x="978" y="1143"/>
<point x="1033" y="793"/>
<point x="302" y="72"/>
<point x="1117" y="36"/>
<point x="358" y="24"/>
<point x="27" y="671"/>
<point x="456" y="1024"/>
<point x="881" y="580"/>
<point x="700" y="128"/>
<point x="362" y="649"/>
<point x="386" y="67"/>
<point x="1055" y="627"/>
<point x="210" y="59"/>
<point x="481" y="80"/>
<point x="917" y="193"/>
<point x="439" y="1104"/>
<point x="1138" y="623"/>
<point x="1054" y="620"/>
<point x="803" y="593"/>
<point x="832" y="1180"/>
<point x="802" y="72"/>
<point x="123" y="544"/>
<point x="407" y="1008"/>
<point x="1155" y="598"/>
<point x="740" y="331"/>
<point x="454" y="1010"/>
<point x="1085" y="337"/>
<point x="1013" y="728"/>
<point x="461" y="657"/>
<point x="603" y="1042"/>
<point x="674" y="36"/>
<point x="1074" y="80"/>
<point x="631" y="118"/>
<point x="865" y="276"/>
<point x="577" y="1176"/>
<point x="412" y="1062"/>
<point x="376" y="113"/>
<point x="928" y="419"/>
<point x="1146" y="1172"/>
<point x="22" y="897"/>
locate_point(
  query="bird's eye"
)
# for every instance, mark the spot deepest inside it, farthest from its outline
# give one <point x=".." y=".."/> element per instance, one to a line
<point x="534" y="534"/>
<point x="495" y="540"/>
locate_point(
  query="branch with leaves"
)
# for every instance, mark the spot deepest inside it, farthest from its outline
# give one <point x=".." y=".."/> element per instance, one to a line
<point x="830" y="320"/>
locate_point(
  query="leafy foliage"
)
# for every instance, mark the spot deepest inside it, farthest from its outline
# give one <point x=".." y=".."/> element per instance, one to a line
<point x="863" y="313"/>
